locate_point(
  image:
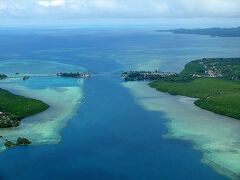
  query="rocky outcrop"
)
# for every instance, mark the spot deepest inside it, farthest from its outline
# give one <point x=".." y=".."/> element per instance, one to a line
<point x="20" y="142"/>
<point x="26" y="78"/>
<point x="9" y="144"/>
<point x="23" y="141"/>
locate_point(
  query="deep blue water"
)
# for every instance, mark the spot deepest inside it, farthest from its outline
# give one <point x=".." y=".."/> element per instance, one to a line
<point x="100" y="50"/>
<point x="110" y="137"/>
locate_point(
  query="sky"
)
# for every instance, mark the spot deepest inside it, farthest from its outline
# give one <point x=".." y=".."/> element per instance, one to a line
<point x="197" y="12"/>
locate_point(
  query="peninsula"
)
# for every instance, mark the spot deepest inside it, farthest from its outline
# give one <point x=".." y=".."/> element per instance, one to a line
<point x="13" y="108"/>
<point x="215" y="82"/>
<point x="220" y="32"/>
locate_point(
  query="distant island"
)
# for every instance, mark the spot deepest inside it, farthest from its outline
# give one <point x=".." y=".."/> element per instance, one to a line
<point x="75" y="74"/>
<point x="146" y="75"/>
<point x="215" y="82"/>
<point x="220" y="32"/>
<point x="3" y="76"/>
<point x="13" y="108"/>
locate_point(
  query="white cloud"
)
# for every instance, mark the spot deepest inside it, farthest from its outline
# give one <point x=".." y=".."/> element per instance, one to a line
<point x="44" y="3"/>
<point x="119" y="8"/>
<point x="47" y="3"/>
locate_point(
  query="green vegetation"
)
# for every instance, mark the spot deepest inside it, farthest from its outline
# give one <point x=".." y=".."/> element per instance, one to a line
<point x="75" y="75"/>
<point x="194" y="67"/>
<point x="9" y="144"/>
<point x="228" y="68"/>
<point x="145" y="75"/>
<point x="13" y="108"/>
<point x="215" y="82"/>
<point x="21" y="141"/>
<point x="217" y="95"/>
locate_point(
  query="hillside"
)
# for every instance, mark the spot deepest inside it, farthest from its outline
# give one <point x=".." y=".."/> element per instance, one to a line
<point x="228" y="68"/>
<point x="13" y="108"/>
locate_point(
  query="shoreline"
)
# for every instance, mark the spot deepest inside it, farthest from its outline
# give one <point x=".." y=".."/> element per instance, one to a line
<point x="63" y="97"/>
<point x="216" y="136"/>
<point x="215" y="95"/>
<point x="45" y="127"/>
<point x="14" y="108"/>
<point x="214" y="81"/>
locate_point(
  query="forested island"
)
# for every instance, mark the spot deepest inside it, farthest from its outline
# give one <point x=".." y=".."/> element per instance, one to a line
<point x="75" y="74"/>
<point x="215" y="82"/>
<point x="19" y="142"/>
<point x="3" y="76"/>
<point x="13" y="108"/>
<point x="146" y="75"/>
<point x="220" y="32"/>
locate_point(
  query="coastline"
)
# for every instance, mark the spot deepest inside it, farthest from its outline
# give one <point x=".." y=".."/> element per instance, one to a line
<point x="45" y="127"/>
<point x="14" y="108"/>
<point x="63" y="97"/>
<point x="214" y="135"/>
<point x="216" y="95"/>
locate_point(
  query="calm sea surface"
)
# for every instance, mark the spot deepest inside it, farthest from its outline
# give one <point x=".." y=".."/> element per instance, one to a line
<point x="110" y="136"/>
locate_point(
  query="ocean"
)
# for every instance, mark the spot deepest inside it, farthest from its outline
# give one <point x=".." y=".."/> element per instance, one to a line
<point x="96" y="128"/>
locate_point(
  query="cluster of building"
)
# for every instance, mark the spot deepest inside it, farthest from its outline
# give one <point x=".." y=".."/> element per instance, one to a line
<point x="6" y="121"/>
<point x="213" y="72"/>
<point x="209" y="72"/>
<point x="145" y="75"/>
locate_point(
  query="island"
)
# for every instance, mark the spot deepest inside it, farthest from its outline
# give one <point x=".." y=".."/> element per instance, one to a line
<point x="220" y="32"/>
<point x="146" y="75"/>
<point x="13" y="108"/>
<point x="75" y="74"/>
<point x="26" y="78"/>
<point x="215" y="82"/>
<point x="3" y="76"/>
<point x="20" y="142"/>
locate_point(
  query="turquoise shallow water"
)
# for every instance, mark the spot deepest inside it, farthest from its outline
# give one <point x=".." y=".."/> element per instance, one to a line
<point x="215" y="135"/>
<point x="63" y="95"/>
<point x="98" y="127"/>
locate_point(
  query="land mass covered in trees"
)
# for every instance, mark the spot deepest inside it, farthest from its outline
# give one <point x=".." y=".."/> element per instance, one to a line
<point x="215" y="82"/>
<point x="220" y="32"/>
<point x="13" y="108"/>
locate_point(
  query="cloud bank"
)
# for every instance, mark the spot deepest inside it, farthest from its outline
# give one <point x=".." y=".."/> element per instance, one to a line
<point x="119" y="8"/>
